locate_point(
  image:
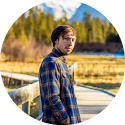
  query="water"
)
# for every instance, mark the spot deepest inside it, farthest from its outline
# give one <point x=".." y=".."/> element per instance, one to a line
<point x="115" y="55"/>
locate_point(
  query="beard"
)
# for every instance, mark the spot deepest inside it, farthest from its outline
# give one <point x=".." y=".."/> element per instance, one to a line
<point x="64" y="51"/>
<point x="63" y="48"/>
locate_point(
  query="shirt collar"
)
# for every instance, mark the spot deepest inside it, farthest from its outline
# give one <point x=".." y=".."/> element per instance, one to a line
<point x="58" y="54"/>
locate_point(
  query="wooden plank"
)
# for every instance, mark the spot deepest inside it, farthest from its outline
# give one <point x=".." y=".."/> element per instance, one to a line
<point x="72" y="68"/>
<point x="90" y="101"/>
<point x="19" y="76"/>
<point x="26" y="107"/>
<point x="24" y="94"/>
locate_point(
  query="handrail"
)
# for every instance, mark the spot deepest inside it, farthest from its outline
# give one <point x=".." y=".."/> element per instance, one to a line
<point x="24" y="94"/>
<point x="39" y="117"/>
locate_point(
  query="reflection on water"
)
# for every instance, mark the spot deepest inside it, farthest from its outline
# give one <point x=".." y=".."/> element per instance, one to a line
<point x="115" y="55"/>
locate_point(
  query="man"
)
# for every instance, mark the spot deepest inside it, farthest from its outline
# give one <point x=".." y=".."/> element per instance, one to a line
<point x="57" y="95"/>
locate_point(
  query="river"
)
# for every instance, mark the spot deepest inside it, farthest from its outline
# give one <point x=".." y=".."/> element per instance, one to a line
<point x="115" y="55"/>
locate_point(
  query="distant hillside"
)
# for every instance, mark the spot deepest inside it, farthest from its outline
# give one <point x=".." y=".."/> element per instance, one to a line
<point x="74" y="10"/>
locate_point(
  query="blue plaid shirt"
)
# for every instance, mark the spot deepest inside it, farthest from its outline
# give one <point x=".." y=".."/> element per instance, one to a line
<point x="59" y="104"/>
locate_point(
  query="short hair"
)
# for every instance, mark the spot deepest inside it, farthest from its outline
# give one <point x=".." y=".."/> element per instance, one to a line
<point x="61" y="31"/>
<point x="67" y="30"/>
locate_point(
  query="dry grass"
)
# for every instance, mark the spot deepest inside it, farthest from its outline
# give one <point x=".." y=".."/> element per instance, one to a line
<point x="98" y="71"/>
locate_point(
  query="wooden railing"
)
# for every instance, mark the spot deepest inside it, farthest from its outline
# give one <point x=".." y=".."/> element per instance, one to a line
<point x="24" y="94"/>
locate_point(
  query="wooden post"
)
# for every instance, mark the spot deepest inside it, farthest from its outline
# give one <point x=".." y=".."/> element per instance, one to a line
<point x="15" y="84"/>
<point x="40" y="110"/>
<point x="22" y="83"/>
<point x="5" y="81"/>
<point x="8" y="82"/>
<point x="83" y="71"/>
<point x="74" y="70"/>
<point x="11" y="81"/>
<point x="2" y="79"/>
<point x="40" y="105"/>
<point x="26" y="107"/>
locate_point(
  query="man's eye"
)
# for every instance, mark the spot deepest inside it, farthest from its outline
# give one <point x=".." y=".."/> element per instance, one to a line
<point x="67" y="38"/>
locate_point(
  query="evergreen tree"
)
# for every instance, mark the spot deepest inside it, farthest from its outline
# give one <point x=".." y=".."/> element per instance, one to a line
<point x="17" y="27"/>
<point x="63" y="20"/>
<point x="37" y="24"/>
<point x="81" y="32"/>
<point x="113" y="36"/>
<point x="94" y="31"/>
<point x="111" y="30"/>
<point x="50" y="26"/>
<point x="99" y="31"/>
<point x="23" y="37"/>
<point x="30" y="25"/>
<point x="37" y="28"/>
<point x="75" y="25"/>
<point x="42" y="26"/>
<point x="8" y="42"/>
<point x="105" y="29"/>
<point x="50" y="21"/>
<point x="88" y="25"/>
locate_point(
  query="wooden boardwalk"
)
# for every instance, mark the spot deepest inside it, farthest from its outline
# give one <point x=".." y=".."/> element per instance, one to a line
<point x="90" y="102"/>
<point x="20" y="76"/>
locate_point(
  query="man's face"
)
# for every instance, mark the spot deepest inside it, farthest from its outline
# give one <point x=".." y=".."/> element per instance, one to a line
<point x="66" y="44"/>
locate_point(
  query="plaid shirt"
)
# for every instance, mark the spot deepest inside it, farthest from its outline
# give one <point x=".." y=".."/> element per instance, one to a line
<point x="59" y="104"/>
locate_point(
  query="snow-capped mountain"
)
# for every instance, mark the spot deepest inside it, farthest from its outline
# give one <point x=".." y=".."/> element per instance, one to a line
<point x="74" y="10"/>
<point x="82" y="9"/>
<point x="58" y="7"/>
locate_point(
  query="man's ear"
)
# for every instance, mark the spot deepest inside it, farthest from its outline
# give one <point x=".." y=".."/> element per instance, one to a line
<point x="56" y="41"/>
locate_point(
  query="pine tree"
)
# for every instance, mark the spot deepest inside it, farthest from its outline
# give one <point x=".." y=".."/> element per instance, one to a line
<point x="94" y="30"/>
<point x="88" y="25"/>
<point x="111" y="30"/>
<point x="112" y="35"/>
<point x="105" y="29"/>
<point x="42" y="26"/>
<point x="50" y="22"/>
<point x="50" y="26"/>
<point x="19" y="29"/>
<point x="84" y="32"/>
<point x="8" y="42"/>
<point x="36" y="24"/>
<point x="23" y="38"/>
<point x="75" y="25"/>
<point x="30" y="25"/>
<point x="63" y="20"/>
<point x="99" y="31"/>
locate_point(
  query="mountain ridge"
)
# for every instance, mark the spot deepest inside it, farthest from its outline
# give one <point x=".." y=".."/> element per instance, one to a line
<point x="74" y="10"/>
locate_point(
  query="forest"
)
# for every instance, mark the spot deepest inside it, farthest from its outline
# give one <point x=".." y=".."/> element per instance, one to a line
<point x="29" y="36"/>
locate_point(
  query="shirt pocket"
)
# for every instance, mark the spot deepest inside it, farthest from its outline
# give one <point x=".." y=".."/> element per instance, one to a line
<point x="67" y="80"/>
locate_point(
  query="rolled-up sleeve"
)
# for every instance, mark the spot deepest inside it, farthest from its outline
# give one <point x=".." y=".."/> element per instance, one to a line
<point x="49" y="78"/>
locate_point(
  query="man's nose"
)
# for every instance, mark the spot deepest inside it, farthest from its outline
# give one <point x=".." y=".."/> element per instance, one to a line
<point x="70" y="42"/>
